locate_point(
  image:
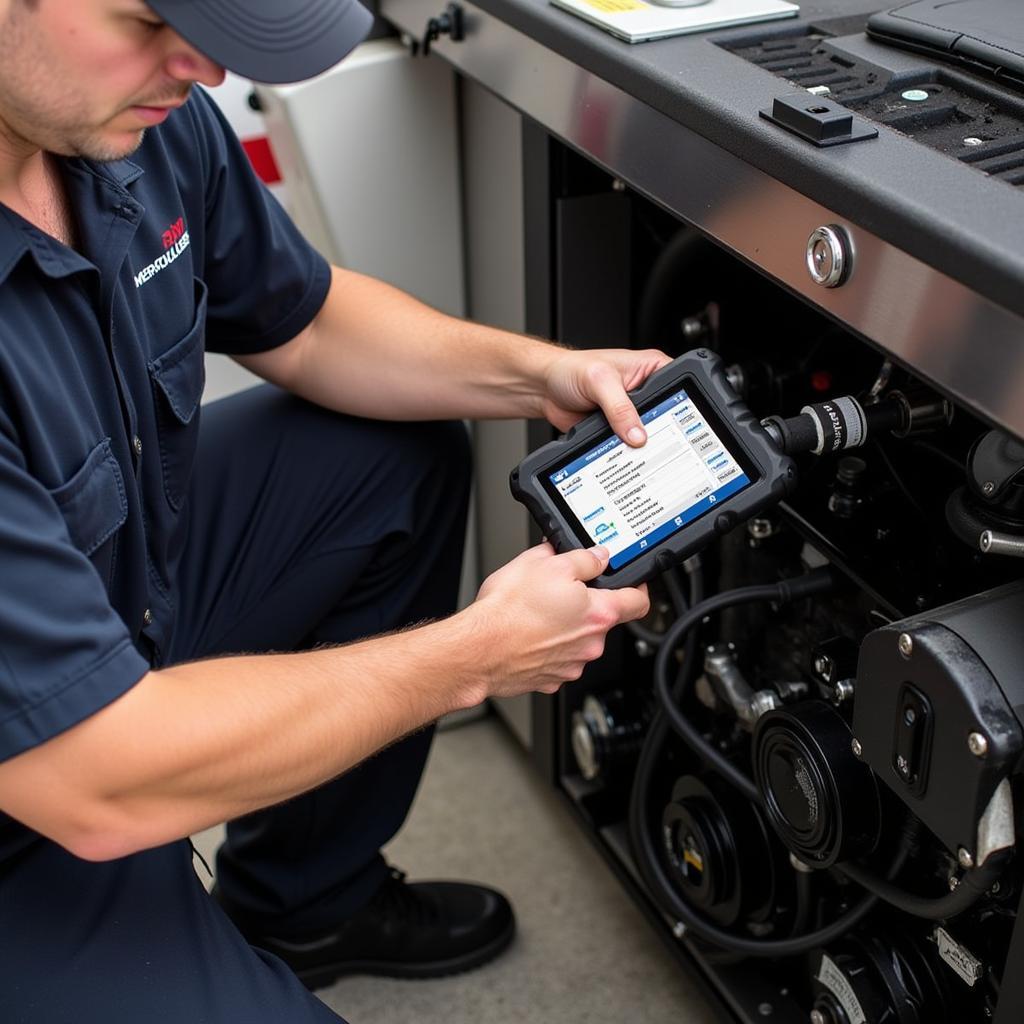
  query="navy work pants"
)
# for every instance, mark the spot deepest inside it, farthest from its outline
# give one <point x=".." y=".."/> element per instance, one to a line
<point x="306" y="528"/>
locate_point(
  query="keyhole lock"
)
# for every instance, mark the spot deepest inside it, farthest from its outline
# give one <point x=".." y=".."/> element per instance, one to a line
<point x="828" y="256"/>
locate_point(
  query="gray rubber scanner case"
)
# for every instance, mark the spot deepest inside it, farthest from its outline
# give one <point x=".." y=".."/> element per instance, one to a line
<point x="701" y="374"/>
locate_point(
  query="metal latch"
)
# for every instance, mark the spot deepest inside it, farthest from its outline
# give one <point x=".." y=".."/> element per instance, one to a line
<point x="818" y="120"/>
<point x="450" y="23"/>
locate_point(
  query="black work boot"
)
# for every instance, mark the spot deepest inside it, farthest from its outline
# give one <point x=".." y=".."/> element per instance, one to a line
<point x="407" y="930"/>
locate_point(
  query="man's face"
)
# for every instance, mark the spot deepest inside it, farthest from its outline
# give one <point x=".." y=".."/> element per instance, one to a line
<point x="87" y="77"/>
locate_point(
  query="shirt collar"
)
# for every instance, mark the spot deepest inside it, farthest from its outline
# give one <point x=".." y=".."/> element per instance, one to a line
<point x="18" y="236"/>
<point x="121" y="172"/>
<point x="13" y="241"/>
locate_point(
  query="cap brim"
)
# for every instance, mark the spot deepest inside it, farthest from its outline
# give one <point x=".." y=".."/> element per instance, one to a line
<point x="273" y="41"/>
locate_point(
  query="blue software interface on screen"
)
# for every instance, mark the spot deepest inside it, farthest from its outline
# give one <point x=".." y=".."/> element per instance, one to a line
<point x="630" y="499"/>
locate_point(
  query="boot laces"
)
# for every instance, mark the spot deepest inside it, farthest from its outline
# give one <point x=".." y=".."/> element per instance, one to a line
<point x="402" y="901"/>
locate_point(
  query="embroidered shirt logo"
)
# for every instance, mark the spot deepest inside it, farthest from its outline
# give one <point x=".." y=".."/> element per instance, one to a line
<point x="175" y="240"/>
<point x="174" y="232"/>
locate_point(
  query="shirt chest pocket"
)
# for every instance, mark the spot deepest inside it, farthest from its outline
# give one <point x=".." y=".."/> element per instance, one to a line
<point x="94" y="506"/>
<point x="178" y="377"/>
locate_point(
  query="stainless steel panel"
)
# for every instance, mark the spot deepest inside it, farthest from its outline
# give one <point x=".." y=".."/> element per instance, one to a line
<point x="496" y="294"/>
<point x="959" y="340"/>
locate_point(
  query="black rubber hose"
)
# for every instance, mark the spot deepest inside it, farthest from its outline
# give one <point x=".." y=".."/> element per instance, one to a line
<point x="680" y="602"/>
<point x="643" y="846"/>
<point x="683" y="251"/>
<point x="695" y="571"/>
<point x="674" y="585"/>
<point x="661" y="887"/>
<point x="649" y="636"/>
<point x="974" y="884"/>
<point x="817" y="582"/>
<point x="804" y="897"/>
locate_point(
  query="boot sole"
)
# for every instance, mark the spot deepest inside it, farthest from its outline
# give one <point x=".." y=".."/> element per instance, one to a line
<point x="322" y="975"/>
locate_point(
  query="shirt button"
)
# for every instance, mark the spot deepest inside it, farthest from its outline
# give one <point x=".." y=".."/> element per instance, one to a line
<point x="147" y="617"/>
<point x="137" y="444"/>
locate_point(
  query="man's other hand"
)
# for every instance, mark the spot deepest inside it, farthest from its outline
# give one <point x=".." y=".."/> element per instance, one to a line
<point x="579" y="382"/>
<point x="540" y="623"/>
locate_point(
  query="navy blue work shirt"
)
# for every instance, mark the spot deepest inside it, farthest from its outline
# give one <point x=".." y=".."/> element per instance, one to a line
<point x="180" y="249"/>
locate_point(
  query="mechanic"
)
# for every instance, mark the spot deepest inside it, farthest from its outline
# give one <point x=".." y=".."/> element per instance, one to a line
<point x="183" y="602"/>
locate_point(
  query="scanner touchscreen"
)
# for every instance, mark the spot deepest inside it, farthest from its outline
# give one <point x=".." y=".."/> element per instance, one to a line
<point x="630" y="499"/>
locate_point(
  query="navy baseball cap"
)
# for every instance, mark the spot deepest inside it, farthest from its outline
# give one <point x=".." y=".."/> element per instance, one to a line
<point x="271" y="41"/>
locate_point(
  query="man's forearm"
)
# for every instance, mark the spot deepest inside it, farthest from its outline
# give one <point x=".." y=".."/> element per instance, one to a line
<point x="375" y="351"/>
<point x="196" y="744"/>
<point x="200" y="743"/>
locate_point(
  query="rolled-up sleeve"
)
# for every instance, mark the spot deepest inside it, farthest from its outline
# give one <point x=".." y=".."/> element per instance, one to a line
<point x="265" y="281"/>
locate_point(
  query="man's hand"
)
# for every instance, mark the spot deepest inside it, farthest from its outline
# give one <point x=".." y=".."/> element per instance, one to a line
<point x="579" y="382"/>
<point x="541" y="623"/>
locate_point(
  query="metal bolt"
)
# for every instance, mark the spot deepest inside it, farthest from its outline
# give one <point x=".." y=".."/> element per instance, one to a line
<point x="973" y="141"/>
<point x="759" y="529"/>
<point x="906" y="644"/>
<point x="842" y="691"/>
<point x="823" y="666"/>
<point x="817" y="1017"/>
<point x="977" y="744"/>
<point x="856" y="747"/>
<point x="954" y="883"/>
<point x="915" y="95"/>
<point x="765" y="1009"/>
<point x="965" y="858"/>
<point x="988" y="487"/>
<point x="679" y="929"/>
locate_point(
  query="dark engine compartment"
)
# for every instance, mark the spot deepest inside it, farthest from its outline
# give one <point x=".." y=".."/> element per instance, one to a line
<point x="834" y="837"/>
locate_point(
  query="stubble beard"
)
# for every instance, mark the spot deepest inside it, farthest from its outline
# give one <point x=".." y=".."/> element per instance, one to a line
<point x="69" y="140"/>
<point x="37" y="111"/>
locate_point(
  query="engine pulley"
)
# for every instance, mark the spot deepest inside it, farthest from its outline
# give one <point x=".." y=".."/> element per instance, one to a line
<point x="720" y="853"/>
<point x="820" y="799"/>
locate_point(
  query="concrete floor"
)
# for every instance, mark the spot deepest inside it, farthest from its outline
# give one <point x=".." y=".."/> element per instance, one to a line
<point x="583" y="953"/>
